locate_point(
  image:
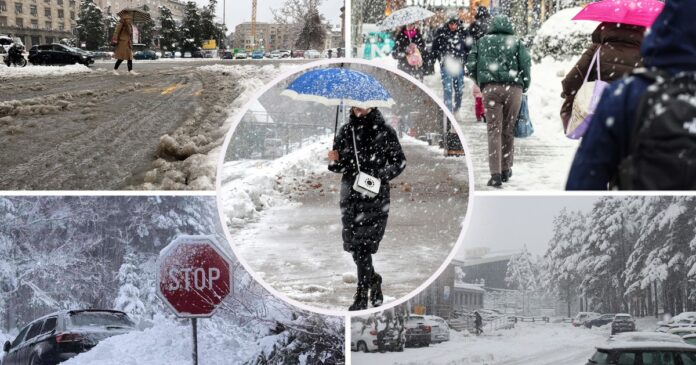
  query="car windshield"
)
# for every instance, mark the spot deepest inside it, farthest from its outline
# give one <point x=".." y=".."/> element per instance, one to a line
<point x="622" y="318"/>
<point x="599" y="357"/>
<point x="690" y="340"/>
<point x="100" y="319"/>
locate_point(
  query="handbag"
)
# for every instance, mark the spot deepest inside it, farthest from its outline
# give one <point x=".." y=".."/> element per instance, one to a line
<point x="364" y="183"/>
<point x="523" y="126"/>
<point x="415" y="58"/>
<point x="585" y="103"/>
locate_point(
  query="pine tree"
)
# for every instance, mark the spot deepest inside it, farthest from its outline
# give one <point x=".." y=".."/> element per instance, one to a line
<point x="522" y="274"/>
<point x="90" y="26"/>
<point x="313" y="33"/>
<point x="147" y="30"/>
<point x="128" y="299"/>
<point x="169" y="32"/>
<point x="191" y="33"/>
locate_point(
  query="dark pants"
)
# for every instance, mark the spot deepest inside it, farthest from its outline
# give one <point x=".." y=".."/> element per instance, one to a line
<point x="363" y="261"/>
<point x="502" y="103"/>
<point x="119" y="62"/>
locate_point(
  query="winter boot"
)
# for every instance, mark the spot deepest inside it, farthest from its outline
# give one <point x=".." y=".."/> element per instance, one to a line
<point x="376" y="296"/>
<point x="506" y="175"/>
<point x="360" y="302"/>
<point x="495" y="181"/>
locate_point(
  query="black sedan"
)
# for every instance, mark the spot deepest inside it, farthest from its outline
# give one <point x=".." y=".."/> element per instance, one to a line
<point x="145" y="55"/>
<point x="59" y="54"/>
<point x="600" y="321"/>
<point x="59" y="336"/>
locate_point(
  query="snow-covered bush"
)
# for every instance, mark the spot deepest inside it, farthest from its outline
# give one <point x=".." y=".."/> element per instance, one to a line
<point x="562" y="38"/>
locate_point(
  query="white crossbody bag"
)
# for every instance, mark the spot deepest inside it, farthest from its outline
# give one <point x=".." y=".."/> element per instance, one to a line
<point x="364" y="183"/>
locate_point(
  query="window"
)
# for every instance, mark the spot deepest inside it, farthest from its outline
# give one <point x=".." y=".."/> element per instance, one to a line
<point x="35" y="39"/>
<point x="47" y="1"/>
<point x="627" y="358"/>
<point x="72" y="15"/>
<point x="3" y="5"/>
<point x="34" y="10"/>
<point x="19" y="22"/>
<point x="47" y="12"/>
<point x="688" y="358"/>
<point x="50" y="323"/>
<point x="61" y="26"/>
<point x="60" y="2"/>
<point x="49" y="26"/>
<point x="35" y="24"/>
<point x="34" y="330"/>
<point x="18" y="8"/>
<point x="3" y="21"/>
<point x="60" y="13"/>
<point x="657" y="358"/>
<point x="72" y="3"/>
<point x="20" y="337"/>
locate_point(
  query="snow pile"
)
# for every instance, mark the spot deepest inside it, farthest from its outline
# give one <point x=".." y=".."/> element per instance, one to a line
<point x="560" y="37"/>
<point x="251" y="186"/>
<point x="169" y="343"/>
<point x="41" y="71"/>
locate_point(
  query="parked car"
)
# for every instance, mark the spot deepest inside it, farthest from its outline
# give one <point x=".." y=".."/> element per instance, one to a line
<point x="61" y="335"/>
<point x="297" y="53"/>
<point x="643" y="353"/>
<point x="5" y="43"/>
<point x="257" y="55"/>
<point x="311" y="54"/>
<point x="440" y="331"/>
<point x="600" y="321"/>
<point x="145" y="55"/>
<point x="581" y="317"/>
<point x="690" y="339"/>
<point x="682" y="331"/>
<point x="645" y="337"/>
<point x="168" y="54"/>
<point x="227" y="55"/>
<point x="240" y="55"/>
<point x="622" y="322"/>
<point x="363" y="338"/>
<point x="59" y="54"/>
<point x="418" y="332"/>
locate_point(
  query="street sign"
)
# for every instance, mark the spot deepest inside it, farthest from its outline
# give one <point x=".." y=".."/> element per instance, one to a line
<point x="194" y="276"/>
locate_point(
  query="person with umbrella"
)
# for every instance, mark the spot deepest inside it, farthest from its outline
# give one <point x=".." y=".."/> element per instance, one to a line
<point x="123" y="40"/>
<point x="364" y="218"/>
<point x="409" y="47"/>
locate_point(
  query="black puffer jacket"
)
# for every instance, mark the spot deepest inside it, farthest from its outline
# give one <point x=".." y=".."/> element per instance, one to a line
<point x="380" y="155"/>
<point x="455" y="44"/>
<point x="401" y="43"/>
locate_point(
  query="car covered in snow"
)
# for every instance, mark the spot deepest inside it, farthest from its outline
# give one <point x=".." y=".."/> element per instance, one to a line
<point x="623" y="322"/>
<point x="59" y="54"/>
<point x="241" y="55"/>
<point x="690" y="339"/>
<point x="440" y="331"/>
<point x="643" y="353"/>
<point x="59" y="336"/>
<point x="581" y="317"/>
<point x="311" y="54"/>
<point x="418" y="331"/>
<point x="366" y="336"/>
<point x="682" y="331"/>
<point x="600" y="321"/>
<point x="5" y="43"/>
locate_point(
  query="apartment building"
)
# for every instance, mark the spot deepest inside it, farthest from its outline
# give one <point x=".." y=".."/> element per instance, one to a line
<point x="269" y="36"/>
<point x="38" y="21"/>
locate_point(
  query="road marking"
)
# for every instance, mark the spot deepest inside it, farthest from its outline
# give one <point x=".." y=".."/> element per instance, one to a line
<point x="170" y="89"/>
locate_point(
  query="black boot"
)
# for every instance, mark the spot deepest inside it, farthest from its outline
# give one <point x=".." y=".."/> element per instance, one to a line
<point x="506" y="175"/>
<point x="360" y="302"/>
<point x="376" y="296"/>
<point x="495" y="181"/>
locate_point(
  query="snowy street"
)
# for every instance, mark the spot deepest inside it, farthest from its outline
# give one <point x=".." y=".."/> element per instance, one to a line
<point x="562" y="344"/>
<point x="428" y="204"/>
<point x="93" y="130"/>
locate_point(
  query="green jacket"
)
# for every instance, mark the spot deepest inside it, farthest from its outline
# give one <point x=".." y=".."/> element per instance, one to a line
<point x="499" y="57"/>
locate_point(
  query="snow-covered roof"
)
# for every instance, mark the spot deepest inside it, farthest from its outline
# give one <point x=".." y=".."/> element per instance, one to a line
<point x="486" y="260"/>
<point x="467" y="286"/>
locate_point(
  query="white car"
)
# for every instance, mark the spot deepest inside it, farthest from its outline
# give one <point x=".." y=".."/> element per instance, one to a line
<point x="682" y="331"/>
<point x="312" y="53"/>
<point x="363" y="338"/>
<point x="440" y="330"/>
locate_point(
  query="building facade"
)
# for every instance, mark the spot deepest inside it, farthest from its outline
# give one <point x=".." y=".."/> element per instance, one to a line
<point x="269" y="36"/>
<point x="38" y="21"/>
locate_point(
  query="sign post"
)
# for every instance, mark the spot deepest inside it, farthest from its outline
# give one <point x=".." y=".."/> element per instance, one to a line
<point x="194" y="277"/>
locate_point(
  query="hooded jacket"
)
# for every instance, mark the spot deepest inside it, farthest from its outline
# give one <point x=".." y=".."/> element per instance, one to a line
<point x="499" y="57"/>
<point x="401" y="42"/>
<point x="364" y="219"/>
<point x="479" y="27"/>
<point x="454" y="44"/>
<point x="618" y="57"/>
<point x="670" y="46"/>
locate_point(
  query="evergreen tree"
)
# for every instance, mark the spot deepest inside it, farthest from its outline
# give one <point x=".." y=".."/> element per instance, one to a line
<point x="147" y="30"/>
<point x="313" y="33"/>
<point x="169" y="32"/>
<point x="191" y="33"/>
<point x="128" y="298"/>
<point x="522" y="274"/>
<point x="90" y="26"/>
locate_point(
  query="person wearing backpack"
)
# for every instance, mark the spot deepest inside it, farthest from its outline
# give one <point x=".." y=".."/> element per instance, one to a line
<point x="409" y="48"/>
<point x="619" y="54"/>
<point x="500" y="66"/>
<point x="643" y="133"/>
<point x="369" y="145"/>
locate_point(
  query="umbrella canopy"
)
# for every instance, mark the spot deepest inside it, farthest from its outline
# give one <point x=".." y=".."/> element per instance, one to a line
<point x="405" y="16"/>
<point x="634" y="12"/>
<point x="139" y="16"/>
<point x="336" y="86"/>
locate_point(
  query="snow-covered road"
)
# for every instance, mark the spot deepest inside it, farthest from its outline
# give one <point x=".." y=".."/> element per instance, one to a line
<point x="296" y="244"/>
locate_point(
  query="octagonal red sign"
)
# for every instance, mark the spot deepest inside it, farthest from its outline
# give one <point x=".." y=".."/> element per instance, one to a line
<point x="194" y="276"/>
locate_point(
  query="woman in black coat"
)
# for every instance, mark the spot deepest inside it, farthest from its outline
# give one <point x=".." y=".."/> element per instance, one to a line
<point x="364" y="218"/>
<point x="402" y="49"/>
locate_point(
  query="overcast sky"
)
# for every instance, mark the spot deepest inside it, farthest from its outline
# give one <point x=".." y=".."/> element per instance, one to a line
<point x="239" y="11"/>
<point x="505" y="223"/>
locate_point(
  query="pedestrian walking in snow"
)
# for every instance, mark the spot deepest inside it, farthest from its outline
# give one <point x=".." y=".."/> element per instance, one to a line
<point x="409" y="46"/>
<point x="479" y="27"/>
<point x="451" y="47"/>
<point x="364" y="218"/>
<point x="123" y="40"/>
<point x="619" y="54"/>
<point x="478" y="323"/>
<point x="643" y="132"/>
<point x="500" y="65"/>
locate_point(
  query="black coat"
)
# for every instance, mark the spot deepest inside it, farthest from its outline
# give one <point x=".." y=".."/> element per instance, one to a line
<point x="453" y="44"/>
<point x="380" y="155"/>
<point x="402" y="42"/>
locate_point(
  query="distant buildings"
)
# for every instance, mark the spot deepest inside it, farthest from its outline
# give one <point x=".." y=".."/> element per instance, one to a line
<point x="114" y="6"/>
<point x="38" y="21"/>
<point x="270" y="36"/>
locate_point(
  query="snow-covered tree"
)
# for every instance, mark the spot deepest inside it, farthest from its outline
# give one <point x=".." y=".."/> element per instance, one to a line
<point x="299" y="15"/>
<point x="522" y="273"/>
<point x="90" y="25"/>
<point x="128" y="298"/>
<point x="313" y="32"/>
<point x="169" y="33"/>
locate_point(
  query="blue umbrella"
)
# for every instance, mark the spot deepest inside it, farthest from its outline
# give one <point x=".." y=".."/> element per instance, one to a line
<point x="337" y="86"/>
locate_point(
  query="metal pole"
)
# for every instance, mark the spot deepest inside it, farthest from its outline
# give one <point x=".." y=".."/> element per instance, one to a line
<point x="194" y="326"/>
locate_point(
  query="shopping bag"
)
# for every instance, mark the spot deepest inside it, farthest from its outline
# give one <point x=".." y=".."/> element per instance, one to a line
<point x="585" y="103"/>
<point x="523" y="126"/>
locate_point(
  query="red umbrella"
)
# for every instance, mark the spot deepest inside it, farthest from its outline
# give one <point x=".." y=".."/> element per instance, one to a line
<point x="635" y="12"/>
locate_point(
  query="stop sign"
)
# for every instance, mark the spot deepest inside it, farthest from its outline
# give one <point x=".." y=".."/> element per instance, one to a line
<point x="193" y="276"/>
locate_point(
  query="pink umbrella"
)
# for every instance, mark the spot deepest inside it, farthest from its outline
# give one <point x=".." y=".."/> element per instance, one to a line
<point x="635" y="12"/>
